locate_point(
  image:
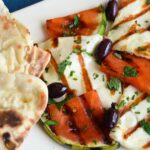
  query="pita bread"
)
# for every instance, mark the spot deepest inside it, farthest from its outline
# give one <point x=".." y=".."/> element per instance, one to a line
<point x="23" y="99"/>
<point x="17" y="52"/>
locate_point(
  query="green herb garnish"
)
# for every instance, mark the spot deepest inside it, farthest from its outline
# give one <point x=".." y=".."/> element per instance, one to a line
<point x="130" y="72"/>
<point x="148" y="99"/>
<point x="146" y="126"/>
<point x="51" y="122"/>
<point x="95" y="76"/>
<point x="121" y="104"/>
<point x="46" y="69"/>
<point x="60" y="104"/>
<point x="142" y="49"/>
<point x="113" y="84"/>
<point x="137" y="112"/>
<point x="77" y="41"/>
<point x="76" y="21"/>
<point x="148" y="110"/>
<point x="71" y="73"/>
<point x="62" y="66"/>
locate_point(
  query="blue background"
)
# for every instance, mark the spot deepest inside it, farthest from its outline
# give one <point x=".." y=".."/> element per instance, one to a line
<point x="14" y="5"/>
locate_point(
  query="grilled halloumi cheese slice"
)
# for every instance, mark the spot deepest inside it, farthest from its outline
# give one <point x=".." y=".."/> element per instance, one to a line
<point x="130" y="30"/>
<point x="17" y="52"/>
<point x="82" y="74"/>
<point x="134" y="107"/>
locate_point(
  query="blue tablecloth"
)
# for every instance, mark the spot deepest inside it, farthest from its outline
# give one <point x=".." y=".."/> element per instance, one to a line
<point x="14" y="5"/>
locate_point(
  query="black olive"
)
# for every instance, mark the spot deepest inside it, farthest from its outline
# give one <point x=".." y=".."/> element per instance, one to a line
<point x="112" y="10"/>
<point x="56" y="90"/>
<point x="102" y="50"/>
<point x="111" y="117"/>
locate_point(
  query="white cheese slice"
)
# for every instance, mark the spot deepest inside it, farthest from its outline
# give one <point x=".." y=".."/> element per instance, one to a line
<point x="135" y="43"/>
<point x="130" y="10"/>
<point x="123" y="29"/>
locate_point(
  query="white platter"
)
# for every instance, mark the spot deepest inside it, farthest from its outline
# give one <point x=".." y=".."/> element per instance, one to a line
<point x="34" y="18"/>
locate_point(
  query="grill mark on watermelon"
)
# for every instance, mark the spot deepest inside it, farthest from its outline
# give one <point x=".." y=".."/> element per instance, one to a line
<point x="115" y="67"/>
<point x="62" y="129"/>
<point x="87" y="129"/>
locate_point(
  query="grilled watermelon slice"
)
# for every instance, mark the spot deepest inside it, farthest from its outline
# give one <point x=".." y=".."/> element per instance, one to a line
<point x="131" y="69"/>
<point x="77" y="123"/>
<point x="86" y="22"/>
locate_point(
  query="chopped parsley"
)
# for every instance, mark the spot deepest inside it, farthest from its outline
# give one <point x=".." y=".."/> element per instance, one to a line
<point x="46" y="69"/>
<point x="103" y="78"/>
<point x="148" y="110"/>
<point x="71" y="73"/>
<point x="113" y="84"/>
<point x="146" y="21"/>
<point x="118" y="55"/>
<point x="62" y="66"/>
<point x="133" y="97"/>
<point x="77" y="41"/>
<point x="148" y="1"/>
<point x="51" y="122"/>
<point x="142" y="49"/>
<point x="130" y="72"/>
<point x="60" y="104"/>
<point x="87" y="42"/>
<point x="137" y="112"/>
<point x="146" y="126"/>
<point x="75" y="79"/>
<point x="128" y="98"/>
<point x="45" y="81"/>
<point x="95" y="142"/>
<point x="121" y="104"/>
<point x="77" y="50"/>
<point x="95" y="76"/>
<point x="82" y="50"/>
<point x="148" y="99"/>
<point x="76" y="21"/>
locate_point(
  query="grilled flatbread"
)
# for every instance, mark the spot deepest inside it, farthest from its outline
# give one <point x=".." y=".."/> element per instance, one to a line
<point x="17" y="53"/>
<point x="130" y="30"/>
<point x="23" y="99"/>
